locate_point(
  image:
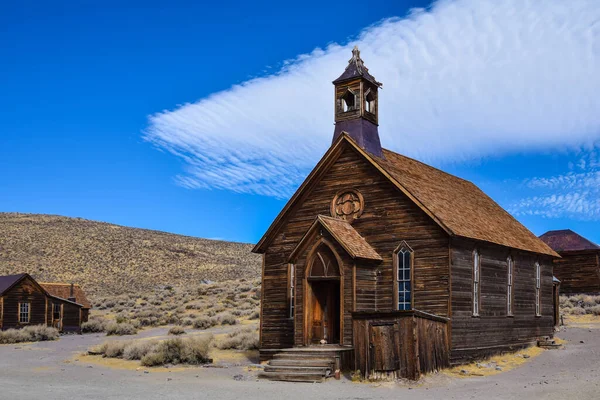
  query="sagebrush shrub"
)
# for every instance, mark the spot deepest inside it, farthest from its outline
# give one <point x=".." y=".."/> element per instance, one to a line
<point x="114" y="328"/>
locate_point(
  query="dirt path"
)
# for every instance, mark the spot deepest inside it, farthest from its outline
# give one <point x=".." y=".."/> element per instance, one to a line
<point x="40" y="371"/>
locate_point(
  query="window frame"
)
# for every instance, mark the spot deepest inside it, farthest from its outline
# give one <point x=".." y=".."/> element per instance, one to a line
<point x="54" y="306"/>
<point x="476" y="286"/>
<point x="510" y="285"/>
<point x="396" y="261"/>
<point x="21" y="304"/>
<point x="291" y="290"/>
<point x="538" y="289"/>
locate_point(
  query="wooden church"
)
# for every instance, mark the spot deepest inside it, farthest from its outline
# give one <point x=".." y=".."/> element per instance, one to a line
<point x="386" y="265"/>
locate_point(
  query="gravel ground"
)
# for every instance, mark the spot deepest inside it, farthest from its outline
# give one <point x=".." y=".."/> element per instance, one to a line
<point x="39" y="370"/>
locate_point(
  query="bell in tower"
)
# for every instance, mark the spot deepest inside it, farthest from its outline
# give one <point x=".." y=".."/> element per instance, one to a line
<point x="356" y="105"/>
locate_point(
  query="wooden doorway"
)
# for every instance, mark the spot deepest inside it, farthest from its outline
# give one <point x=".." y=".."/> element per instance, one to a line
<point x="325" y="312"/>
<point x="323" y="302"/>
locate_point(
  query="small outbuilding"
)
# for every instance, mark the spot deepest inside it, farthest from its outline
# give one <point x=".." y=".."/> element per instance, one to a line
<point x="578" y="269"/>
<point x="72" y="293"/>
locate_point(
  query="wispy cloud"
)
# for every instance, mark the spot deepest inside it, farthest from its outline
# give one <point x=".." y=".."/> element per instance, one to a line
<point x="462" y="80"/>
<point x="574" y="194"/>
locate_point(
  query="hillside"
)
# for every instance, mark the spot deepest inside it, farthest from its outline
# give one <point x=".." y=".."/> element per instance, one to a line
<point x="111" y="259"/>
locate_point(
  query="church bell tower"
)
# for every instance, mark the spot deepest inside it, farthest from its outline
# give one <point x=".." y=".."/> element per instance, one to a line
<point x="356" y="105"/>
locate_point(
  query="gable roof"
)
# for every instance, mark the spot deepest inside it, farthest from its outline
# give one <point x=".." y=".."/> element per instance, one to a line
<point x="354" y="244"/>
<point x="63" y="291"/>
<point x="458" y="206"/>
<point x="567" y="240"/>
<point x="8" y="281"/>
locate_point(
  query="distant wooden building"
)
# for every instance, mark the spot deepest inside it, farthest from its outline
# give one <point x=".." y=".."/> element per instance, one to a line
<point x="392" y="267"/>
<point x="70" y="306"/>
<point x="24" y="302"/>
<point x="578" y="269"/>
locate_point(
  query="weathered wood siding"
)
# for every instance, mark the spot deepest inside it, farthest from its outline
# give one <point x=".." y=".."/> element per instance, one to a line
<point x="494" y="331"/>
<point x="389" y="217"/>
<point x="25" y="291"/>
<point x="400" y="344"/>
<point x="578" y="272"/>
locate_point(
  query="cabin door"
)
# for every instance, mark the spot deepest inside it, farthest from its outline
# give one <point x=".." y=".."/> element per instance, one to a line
<point x="325" y="312"/>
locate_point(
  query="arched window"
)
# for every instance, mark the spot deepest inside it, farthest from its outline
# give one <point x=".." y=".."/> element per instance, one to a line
<point x="403" y="260"/>
<point x="348" y="101"/>
<point x="324" y="264"/>
<point x="370" y="102"/>
<point x="476" y="278"/>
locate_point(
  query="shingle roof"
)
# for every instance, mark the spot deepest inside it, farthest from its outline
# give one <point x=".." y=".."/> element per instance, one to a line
<point x="351" y="240"/>
<point x="9" y="280"/>
<point x="354" y="244"/>
<point x="456" y="205"/>
<point x="567" y="240"/>
<point x="63" y="291"/>
<point x="460" y="206"/>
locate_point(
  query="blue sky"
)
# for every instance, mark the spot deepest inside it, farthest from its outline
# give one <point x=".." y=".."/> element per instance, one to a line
<point x="179" y="116"/>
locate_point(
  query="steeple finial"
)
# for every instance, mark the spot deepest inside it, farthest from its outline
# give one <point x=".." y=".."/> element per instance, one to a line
<point x="356" y="59"/>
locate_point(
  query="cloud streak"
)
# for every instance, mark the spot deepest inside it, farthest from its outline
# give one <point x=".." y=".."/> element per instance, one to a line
<point x="575" y="194"/>
<point x="464" y="79"/>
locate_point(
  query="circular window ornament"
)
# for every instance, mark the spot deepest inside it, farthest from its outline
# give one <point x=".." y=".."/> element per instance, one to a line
<point x="347" y="205"/>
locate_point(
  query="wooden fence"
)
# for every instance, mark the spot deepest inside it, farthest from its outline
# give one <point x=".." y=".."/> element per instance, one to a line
<point x="400" y="344"/>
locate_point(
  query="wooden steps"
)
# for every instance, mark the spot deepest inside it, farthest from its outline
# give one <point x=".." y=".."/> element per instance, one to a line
<point x="304" y="365"/>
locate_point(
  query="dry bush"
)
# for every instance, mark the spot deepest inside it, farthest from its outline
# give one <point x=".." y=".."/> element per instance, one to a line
<point x="176" y="330"/>
<point x="205" y="322"/>
<point x="114" y="328"/>
<point x="580" y="304"/>
<point x="137" y="349"/>
<point x="226" y="318"/>
<point x="192" y="350"/>
<point x="241" y="339"/>
<point x="595" y="310"/>
<point x="254" y="315"/>
<point x="36" y="333"/>
<point x="94" y="324"/>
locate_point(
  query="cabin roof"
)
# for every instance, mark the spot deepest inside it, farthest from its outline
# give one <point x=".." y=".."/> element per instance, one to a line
<point x="458" y="206"/>
<point x="354" y="244"/>
<point x="567" y="240"/>
<point x="63" y="291"/>
<point x="8" y="281"/>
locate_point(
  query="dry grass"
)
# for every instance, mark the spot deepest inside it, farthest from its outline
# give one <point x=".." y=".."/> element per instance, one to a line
<point x="200" y="307"/>
<point x="241" y="339"/>
<point x="580" y="305"/>
<point x="35" y="333"/>
<point x="189" y="351"/>
<point x="105" y="259"/>
<point x="496" y="364"/>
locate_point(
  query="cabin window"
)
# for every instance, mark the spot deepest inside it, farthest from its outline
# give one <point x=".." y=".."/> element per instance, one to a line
<point x="404" y="260"/>
<point x="509" y="286"/>
<point x="291" y="286"/>
<point x="55" y="311"/>
<point x="538" y="279"/>
<point x="348" y="101"/>
<point x="476" y="278"/>
<point x="370" y="102"/>
<point x="24" y="313"/>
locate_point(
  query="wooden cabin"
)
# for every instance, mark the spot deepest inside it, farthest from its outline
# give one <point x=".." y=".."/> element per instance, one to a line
<point x="578" y="269"/>
<point x="383" y="264"/>
<point x="74" y="294"/>
<point x="24" y="302"/>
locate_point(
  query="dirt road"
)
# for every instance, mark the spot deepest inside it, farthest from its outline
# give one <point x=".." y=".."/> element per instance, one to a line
<point x="39" y="371"/>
